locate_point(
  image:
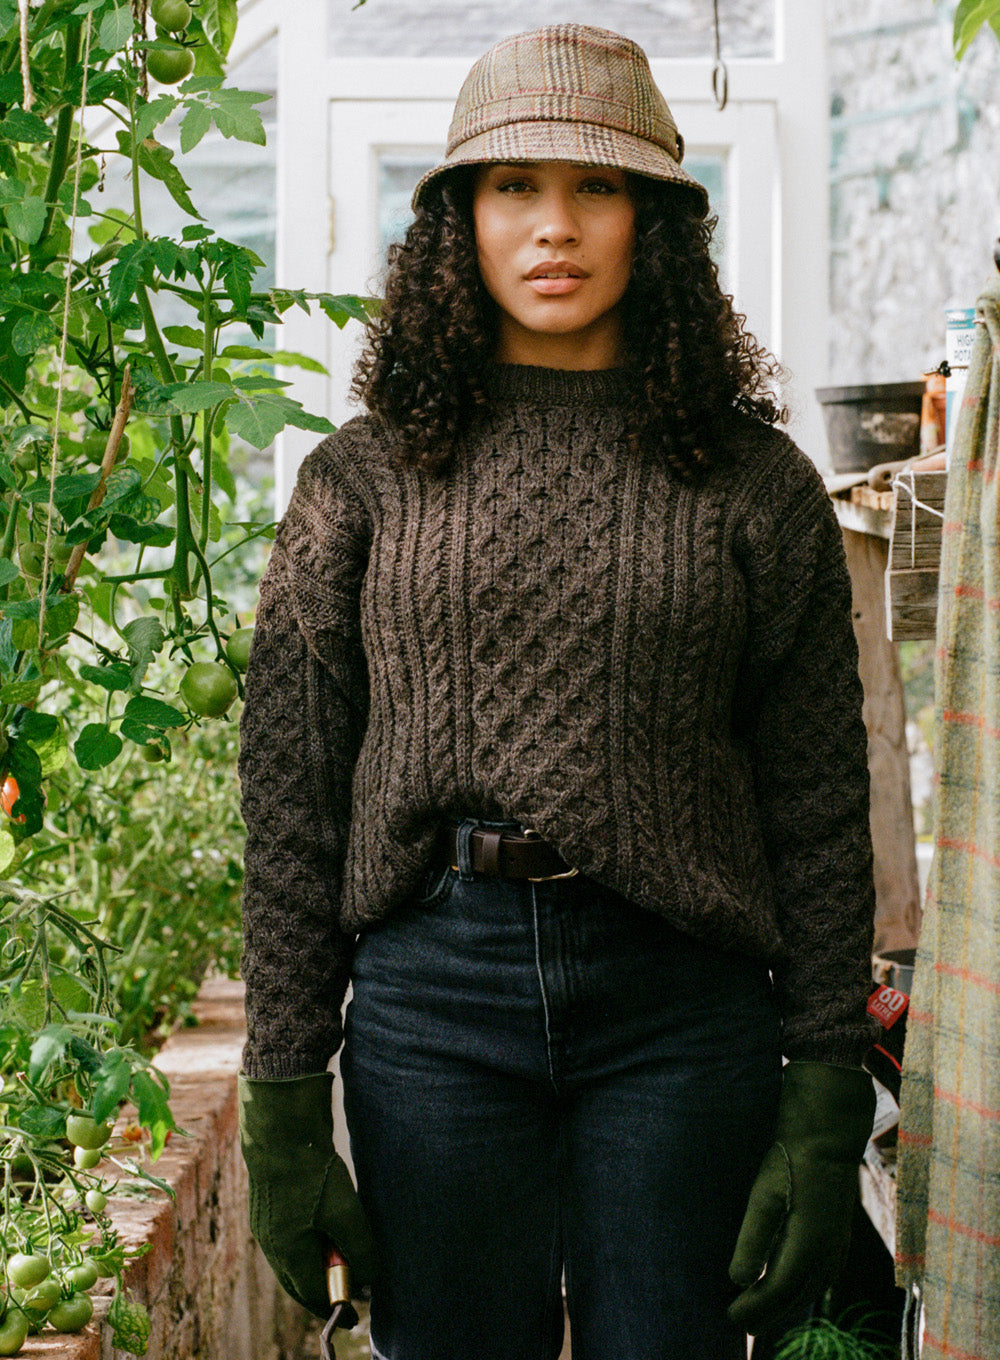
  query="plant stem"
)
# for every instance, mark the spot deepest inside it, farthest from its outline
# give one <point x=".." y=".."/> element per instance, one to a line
<point x="64" y="127"/>
<point x="185" y="538"/>
<point x="208" y="417"/>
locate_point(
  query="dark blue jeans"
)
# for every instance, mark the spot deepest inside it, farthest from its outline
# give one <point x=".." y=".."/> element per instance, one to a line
<point x="544" y="1080"/>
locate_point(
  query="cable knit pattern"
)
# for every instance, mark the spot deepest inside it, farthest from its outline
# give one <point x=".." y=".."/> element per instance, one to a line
<point x="660" y="678"/>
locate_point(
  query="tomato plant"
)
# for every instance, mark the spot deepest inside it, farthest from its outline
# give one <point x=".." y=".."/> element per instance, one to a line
<point x="133" y="369"/>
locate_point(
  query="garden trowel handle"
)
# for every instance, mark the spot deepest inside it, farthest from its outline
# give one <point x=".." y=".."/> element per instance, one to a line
<point x="338" y="1288"/>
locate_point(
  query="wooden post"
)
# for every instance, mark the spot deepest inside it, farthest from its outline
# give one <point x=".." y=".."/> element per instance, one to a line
<point x="897" y="917"/>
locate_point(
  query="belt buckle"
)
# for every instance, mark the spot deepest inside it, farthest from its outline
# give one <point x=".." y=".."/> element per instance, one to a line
<point x="530" y="832"/>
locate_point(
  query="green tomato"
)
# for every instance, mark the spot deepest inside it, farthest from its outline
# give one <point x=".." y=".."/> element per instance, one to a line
<point x="238" y="648"/>
<point x="170" y="68"/>
<point x="24" y="1270"/>
<point x="208" y="688"/>
<point x="95" y="444"/>
<point x="37" y="1301"/>
<point x="173" y="15"/>
<point x="82" y="1130"/>
<point x="96" y="1201"/>
<point x="82" y="1276"/>
<point x="31" y="554"/>
<point x="13" y="1332"/>
<point x="72" y="1314"/>
<point x="85" y="1159"/>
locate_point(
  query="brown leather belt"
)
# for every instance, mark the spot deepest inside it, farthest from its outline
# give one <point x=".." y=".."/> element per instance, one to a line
<point x="509" y="854"/>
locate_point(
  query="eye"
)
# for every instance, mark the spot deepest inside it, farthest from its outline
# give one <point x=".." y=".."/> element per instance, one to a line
<point x="600" y="185"/>
<point x="513" y="186"/>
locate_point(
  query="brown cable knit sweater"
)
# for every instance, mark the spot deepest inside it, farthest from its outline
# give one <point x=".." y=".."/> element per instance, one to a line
<point x="661" y="679"/>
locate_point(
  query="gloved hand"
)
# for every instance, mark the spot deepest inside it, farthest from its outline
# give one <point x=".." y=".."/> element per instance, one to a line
<point x="301" y="1194"/>
<point x="798" y="1220"/>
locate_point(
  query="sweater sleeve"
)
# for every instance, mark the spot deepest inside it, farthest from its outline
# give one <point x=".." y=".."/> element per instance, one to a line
<point x="810" y="757"/>
<point x="301" y="729"/>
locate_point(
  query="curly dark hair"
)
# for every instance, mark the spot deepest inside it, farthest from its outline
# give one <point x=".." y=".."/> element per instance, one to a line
<point x="690" y="359"/>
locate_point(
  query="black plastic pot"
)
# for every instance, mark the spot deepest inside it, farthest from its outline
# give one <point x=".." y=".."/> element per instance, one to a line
<point x="878" y="423"/>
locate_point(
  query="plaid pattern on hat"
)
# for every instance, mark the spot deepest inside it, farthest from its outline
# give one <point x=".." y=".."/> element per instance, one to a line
<point x="567" y="92"/>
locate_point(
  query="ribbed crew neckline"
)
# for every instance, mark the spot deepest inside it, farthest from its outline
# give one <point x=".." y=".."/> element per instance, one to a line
<point x="557" y="386"/>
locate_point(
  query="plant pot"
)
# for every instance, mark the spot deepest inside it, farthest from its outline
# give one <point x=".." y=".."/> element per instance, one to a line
<point x="878" y="423"/>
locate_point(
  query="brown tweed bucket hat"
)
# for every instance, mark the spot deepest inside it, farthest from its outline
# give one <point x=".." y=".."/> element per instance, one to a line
<point x="567" y="92"/>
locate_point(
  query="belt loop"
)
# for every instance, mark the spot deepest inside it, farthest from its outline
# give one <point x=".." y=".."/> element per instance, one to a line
<point x="462" y="844"/>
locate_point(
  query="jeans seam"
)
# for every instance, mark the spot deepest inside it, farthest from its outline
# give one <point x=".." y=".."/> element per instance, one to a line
<point x="541" y="985"/>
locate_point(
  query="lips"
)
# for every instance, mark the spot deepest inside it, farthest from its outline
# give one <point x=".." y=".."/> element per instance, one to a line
<point x="554" y="278"/>
<point x="555" y="269"/>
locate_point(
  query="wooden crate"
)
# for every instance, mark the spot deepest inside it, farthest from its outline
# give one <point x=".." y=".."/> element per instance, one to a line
<point x="915" y="556"/>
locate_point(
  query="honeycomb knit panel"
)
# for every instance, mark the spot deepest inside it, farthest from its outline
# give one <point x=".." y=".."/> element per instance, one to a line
<point x="661" y="679"/>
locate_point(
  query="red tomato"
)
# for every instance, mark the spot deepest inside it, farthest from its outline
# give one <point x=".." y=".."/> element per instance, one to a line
<point x="9" y="796"/>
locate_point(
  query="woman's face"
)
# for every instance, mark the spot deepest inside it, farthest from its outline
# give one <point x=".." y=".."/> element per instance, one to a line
<point x="555" y="243"/>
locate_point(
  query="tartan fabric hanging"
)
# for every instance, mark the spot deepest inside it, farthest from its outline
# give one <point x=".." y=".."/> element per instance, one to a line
<point x="948" y="1208"/>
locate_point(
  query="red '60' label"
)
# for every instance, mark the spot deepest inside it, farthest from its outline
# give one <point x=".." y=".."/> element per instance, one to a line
<point x="887" y="1005"/>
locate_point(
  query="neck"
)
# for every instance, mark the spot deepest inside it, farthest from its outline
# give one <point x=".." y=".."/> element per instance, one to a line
<point x="597" y="347"/>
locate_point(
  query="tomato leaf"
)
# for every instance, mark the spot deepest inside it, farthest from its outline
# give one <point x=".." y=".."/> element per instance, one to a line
<point x="20" y="691"/>
<point x="185" y="335"/>
<point x="283" y="357"/>
<point x="111" y="1086"/>
<point x="42" y="1121"/>
<point x="116" y="676"/>
<point x="145" y="637"/>
<point x="27" y="218"/>
<point x="116" y="29"/>
<point x="49" y="1046"/>
<point x="67" y="487"/>
<point x="195" y="124"/>
<point x="153" y="113"/>
<point x="8" y="849"/>
<point x="194" y="396"/>
<point x="218" y="19"/>
<point x="22" y="126"/>
<point x="96" y="746"/>
<point x="150" y="1097"/>
<point x="154" y="712"/>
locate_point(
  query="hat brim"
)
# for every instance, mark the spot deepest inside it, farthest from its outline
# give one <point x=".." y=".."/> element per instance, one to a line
<point x="579" y="143"/>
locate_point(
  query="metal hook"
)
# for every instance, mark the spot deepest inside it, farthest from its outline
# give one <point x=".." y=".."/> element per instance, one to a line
<point x="720" y="75"/>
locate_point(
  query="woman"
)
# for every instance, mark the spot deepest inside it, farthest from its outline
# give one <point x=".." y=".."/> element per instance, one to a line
<point x="552" y="747"/>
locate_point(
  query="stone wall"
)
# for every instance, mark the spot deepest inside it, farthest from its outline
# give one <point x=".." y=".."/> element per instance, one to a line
<point x="915" y="183"/>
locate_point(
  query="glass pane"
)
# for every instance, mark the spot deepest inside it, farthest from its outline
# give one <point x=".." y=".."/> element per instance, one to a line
<point x="398" y="174"/>
<point x="709" y="168"/>
<point x="454" y="28"/>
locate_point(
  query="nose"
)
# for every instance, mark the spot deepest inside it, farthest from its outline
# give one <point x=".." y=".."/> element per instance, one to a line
<point x="557" y="222"/>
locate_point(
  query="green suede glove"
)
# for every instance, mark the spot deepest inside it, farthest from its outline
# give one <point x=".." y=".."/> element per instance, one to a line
<point x="301" y="1194"/>
<point x="798" y="1221"/>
